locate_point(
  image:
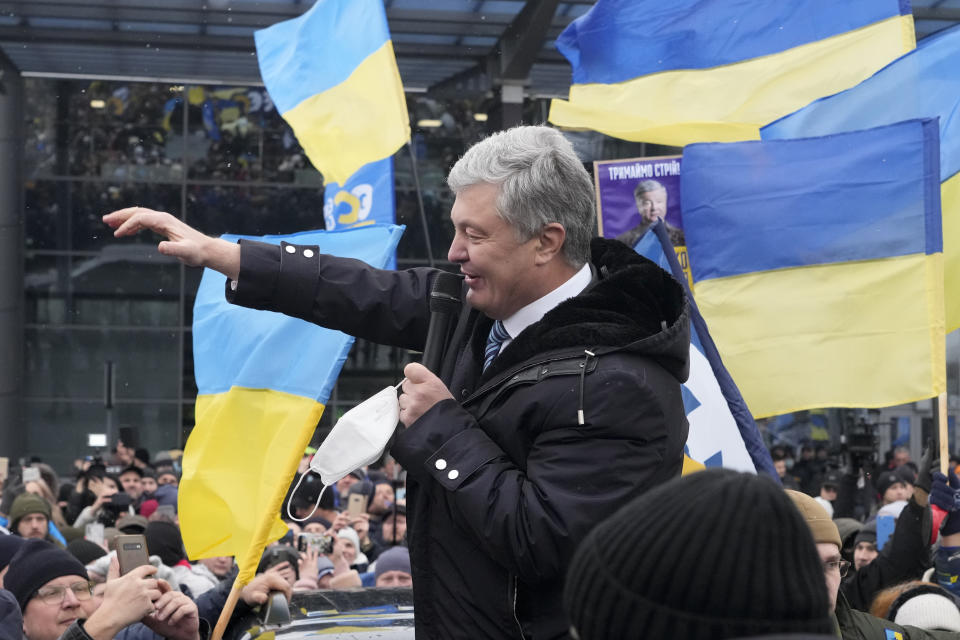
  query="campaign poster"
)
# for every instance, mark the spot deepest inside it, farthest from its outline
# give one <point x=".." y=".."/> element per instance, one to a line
<point x="633" y="193"/>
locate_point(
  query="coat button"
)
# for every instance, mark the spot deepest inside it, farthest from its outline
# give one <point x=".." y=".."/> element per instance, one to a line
<point x="290" y="248"/>
<point x="453" y="474"/>
<point x="440" y="464"/>
<point x="463" y="393"/>
<point x="307" y="253"/>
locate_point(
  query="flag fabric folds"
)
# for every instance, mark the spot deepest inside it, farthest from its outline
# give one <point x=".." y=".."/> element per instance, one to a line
<point x="262" y="381"/>
<point x="925" y="83"/>
<point x="818" y="264"/>
<point x="716" y="70"/>
<point x="333" y="76"/>
<point x="722" y="430"/>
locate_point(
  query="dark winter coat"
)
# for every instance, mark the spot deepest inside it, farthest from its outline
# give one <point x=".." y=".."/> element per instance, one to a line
<point x="507" y="479"/>
<point x="905" y="557"/>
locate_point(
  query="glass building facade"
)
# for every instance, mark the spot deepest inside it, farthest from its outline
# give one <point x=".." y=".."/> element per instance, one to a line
<point x="108" y="322"/>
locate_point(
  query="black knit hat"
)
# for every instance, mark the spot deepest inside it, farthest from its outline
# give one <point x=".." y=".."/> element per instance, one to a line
<point x="867" y="533"/>
<point x="9" y="545"/>
<point x="85" y="551"/>
<point x="716" y="554"/>
<point x="37" y="563"/>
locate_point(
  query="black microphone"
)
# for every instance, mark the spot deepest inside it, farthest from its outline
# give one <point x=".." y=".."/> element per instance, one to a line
<point x="444" y="307"/>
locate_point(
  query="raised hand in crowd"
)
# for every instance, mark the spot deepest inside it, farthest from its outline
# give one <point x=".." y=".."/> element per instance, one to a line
<point x="182" y="241"/>
<point x="341" y="521"/>
<point x="361" y="524"/>
<point x="257" y="591"/>
<point x="126" y="599"/>
<point x="309" y="569"/>
<point x="285" y="571"/>
<point x="175" y="615"/>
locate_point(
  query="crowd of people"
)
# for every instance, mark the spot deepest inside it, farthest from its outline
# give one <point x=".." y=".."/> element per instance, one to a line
<point x="58" y="563"/>
<point x="58" y="556"/>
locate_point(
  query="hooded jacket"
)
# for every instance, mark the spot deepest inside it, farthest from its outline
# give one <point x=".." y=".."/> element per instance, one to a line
<point x="577" y="415"/>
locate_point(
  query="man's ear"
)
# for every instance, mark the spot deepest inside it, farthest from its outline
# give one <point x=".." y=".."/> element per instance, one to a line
<point x="550" y="242"/>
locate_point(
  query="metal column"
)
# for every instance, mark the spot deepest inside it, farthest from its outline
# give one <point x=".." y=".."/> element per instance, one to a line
<point x="11" y="261"/>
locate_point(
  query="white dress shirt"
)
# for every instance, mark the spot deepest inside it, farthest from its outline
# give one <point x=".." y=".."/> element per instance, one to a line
<point x="534" y="311"/>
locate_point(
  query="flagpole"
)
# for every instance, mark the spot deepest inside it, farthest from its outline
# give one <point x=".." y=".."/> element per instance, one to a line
<point x="941" y="402"/>
<point x="423" y="215"/>
<point x="227" y="612"/>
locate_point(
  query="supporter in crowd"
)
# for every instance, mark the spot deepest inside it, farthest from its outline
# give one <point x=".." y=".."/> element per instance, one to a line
<point x="787" y="479"/>
<point x="393" y="528"/>
<point x="9" y="545"/>
<point x="828" y="491"/>
<point x="30" y="517"/>
<point x="946" y="573"/>
<point x="131" y="481"/>
<point x="56" y="598"/>
<point x="920" y="604"/>
<point x="393" y="568"/>
<point x="852" y="623"/>
<point x="11" y="620"/>
<point x="905" y="556"/>
<point x="865" y="546"/>
<point x="667" y="565"/>
<point x="892" y="486"/>
<point x="148" y="483"/>
<point x="168" y="477"/>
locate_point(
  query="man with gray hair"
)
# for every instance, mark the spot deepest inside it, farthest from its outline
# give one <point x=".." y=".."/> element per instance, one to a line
<point x="558" y="397"/>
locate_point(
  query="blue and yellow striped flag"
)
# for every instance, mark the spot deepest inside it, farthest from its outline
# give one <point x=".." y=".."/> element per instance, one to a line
<point x="925" y="83"/>
<point x="716" y="70"/>
<point x="817" y="264"/>
<point x="262" y="381"/>
<point x="333" y="76"/>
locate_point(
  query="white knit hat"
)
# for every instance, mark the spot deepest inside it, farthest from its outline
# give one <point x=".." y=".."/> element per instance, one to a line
<point x="930" y="611"/>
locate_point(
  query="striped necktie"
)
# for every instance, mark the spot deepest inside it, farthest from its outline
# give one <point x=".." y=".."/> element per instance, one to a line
<point x="498" y="333"/>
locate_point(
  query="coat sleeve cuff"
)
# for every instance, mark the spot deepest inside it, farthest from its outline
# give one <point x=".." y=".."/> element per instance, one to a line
<point x="445" y="444"/>
<point x="282" y="278"/>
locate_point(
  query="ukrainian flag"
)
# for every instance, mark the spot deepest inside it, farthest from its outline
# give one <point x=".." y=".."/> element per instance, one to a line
<point x="333" y="76"/>
<point x="689" y="71"/>
<point x="818" y="265"/>
<point x="925" y="83"/>
<point x="262" y="379"/>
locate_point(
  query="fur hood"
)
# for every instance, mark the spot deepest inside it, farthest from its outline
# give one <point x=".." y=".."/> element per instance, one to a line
<point x="631" y="305"/>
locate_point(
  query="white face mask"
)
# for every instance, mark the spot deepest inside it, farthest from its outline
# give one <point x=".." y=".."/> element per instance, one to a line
<point x="358" y="439"/>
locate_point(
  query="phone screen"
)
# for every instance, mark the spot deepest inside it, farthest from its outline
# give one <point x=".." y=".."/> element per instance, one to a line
<point x="31" y="474"/>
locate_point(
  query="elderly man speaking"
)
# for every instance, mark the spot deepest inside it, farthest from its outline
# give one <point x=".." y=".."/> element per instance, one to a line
<point x="558" y="397"/>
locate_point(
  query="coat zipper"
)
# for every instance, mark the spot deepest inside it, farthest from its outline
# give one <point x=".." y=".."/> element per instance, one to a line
<point x="514" y="603"/>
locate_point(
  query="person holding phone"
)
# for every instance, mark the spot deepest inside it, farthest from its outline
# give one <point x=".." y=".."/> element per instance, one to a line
<point x="56" y="597"/>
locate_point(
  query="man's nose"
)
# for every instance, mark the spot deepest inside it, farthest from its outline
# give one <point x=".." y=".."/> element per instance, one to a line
<point x="456" y="253"/>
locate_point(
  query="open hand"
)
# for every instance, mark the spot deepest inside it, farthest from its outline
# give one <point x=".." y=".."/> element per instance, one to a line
<point x="182" y="241"/>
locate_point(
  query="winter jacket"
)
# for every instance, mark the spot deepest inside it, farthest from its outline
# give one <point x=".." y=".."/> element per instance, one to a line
<point x="577" y="415"/>
<point x="11" y="620"/>
<point x="859" y="625"/>
<point x="905" y="557"/>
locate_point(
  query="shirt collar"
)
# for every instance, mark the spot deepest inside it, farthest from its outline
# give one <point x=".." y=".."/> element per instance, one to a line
<point x="534" y="311"/>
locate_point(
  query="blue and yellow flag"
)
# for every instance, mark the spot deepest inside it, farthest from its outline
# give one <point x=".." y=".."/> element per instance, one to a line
<point x="722" y="433"/>
<point x="333" y="76"/>
<point x="262" y="381"/>
<point x="925" y="83"/>
<point x="715" y="70"/>
<point x="818" y="265"/>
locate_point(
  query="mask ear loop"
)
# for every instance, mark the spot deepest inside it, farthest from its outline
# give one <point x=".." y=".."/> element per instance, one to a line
<point x="315" y="506"/>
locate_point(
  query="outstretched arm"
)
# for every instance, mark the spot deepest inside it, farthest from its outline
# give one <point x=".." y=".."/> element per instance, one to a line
<point x="182" y="241"/>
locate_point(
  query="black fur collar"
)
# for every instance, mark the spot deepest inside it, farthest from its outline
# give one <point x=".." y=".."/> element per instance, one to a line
<point x="632" y="304"/>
